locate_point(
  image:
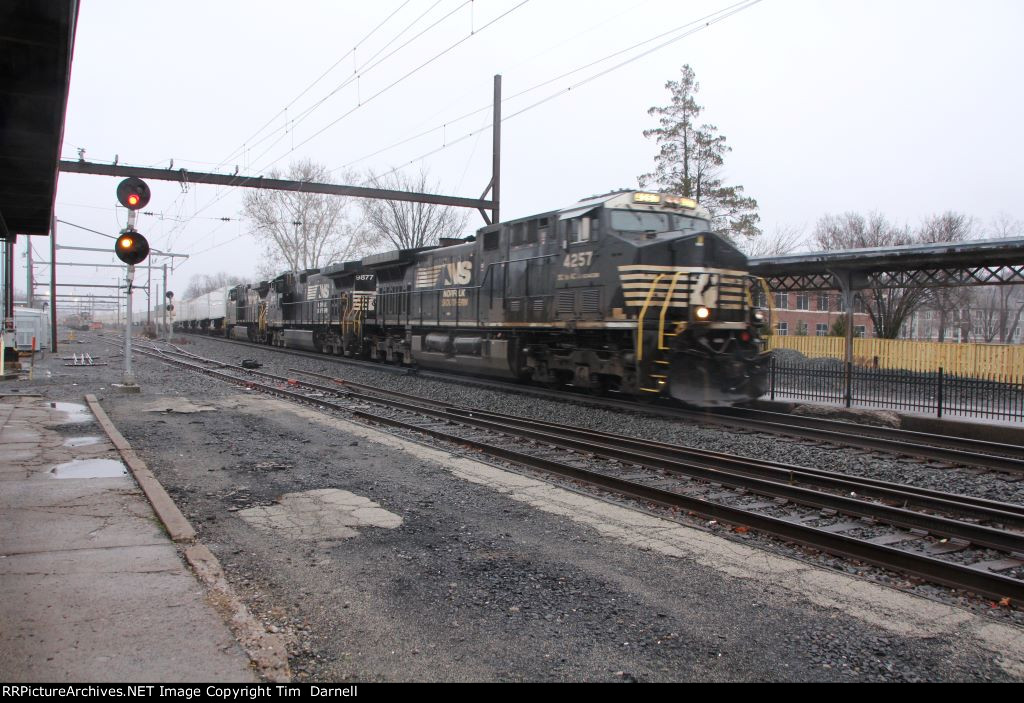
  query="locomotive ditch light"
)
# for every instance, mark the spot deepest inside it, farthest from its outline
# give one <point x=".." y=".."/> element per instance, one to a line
<point x="703" y="313"/>
<point x="133" y="193"/>
<point x="760" y="319"/>
<point x="131" y="247"/>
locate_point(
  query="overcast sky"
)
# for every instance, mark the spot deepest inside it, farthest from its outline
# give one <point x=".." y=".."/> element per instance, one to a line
<point x="906" y="107"/>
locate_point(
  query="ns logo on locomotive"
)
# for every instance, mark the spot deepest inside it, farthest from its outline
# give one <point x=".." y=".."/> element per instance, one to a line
<point x="628" y="292"/>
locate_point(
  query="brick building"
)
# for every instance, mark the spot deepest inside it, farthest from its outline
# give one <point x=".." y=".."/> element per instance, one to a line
<point x="813" y="314"/>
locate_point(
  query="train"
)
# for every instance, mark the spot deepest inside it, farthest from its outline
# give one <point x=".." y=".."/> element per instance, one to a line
<point x="628" y="292"/>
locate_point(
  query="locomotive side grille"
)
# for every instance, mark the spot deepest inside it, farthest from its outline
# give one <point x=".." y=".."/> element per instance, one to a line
<point x="566" y="302"/>
<point x="538" y="305"/>
<point x="591" y="300"/>
<point x="515" y="304"/>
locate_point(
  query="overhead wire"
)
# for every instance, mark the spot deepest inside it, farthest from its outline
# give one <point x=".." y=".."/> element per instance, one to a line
<point x="728" y="12"/>
<point x="358" y="72"/>
<point x="320" y="78"/>
<point x="708" y="21"/>
<point x="384" y="90"/>
<point x="220" y="195"/>
<point x="403" y="78"/>
<point x="221" y="191"/>
<point x="537" y="86"/>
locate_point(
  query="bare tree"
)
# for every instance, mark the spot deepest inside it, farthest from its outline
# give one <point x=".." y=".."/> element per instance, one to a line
<point x="996" y="311"/>
<point x="408" y="225"/>
<point x="303" y="230"/>
<point x="1003" y="226"/>
<point x="203" y="283"/>
<point x="947" y="227"/>
<point x="784" y="240"/>
<point x="888" y="308"/>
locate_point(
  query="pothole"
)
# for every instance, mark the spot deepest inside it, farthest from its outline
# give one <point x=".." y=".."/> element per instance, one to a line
<point x="324" y="514"/>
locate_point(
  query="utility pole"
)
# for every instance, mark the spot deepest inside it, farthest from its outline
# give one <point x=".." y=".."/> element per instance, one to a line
<point x="496" y="153"/>
<point x="166" y="302"/>
<point x="53" y="284"/>
<point x="28" y="269"/>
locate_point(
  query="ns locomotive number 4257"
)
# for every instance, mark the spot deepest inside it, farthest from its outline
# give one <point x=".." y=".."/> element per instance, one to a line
<point x="628" y="292"/>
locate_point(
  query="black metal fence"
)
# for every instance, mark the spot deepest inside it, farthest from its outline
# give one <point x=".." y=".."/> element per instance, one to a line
<point x="833" y="381"/>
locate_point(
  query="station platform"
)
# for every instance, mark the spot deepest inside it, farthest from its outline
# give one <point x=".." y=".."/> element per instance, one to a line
<point x="92" y="587"/>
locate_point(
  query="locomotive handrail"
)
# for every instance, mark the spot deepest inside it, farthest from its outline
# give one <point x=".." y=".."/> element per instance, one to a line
<point x="665" y="306"/>
<point x="640" y="320"/>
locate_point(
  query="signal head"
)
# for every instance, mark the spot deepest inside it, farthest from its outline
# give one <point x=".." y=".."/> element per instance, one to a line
<point x="131" y="247"/>
<point x="133" y="193"/>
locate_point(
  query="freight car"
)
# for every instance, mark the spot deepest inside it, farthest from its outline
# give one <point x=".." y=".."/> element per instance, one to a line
<point x="626" y="292"/>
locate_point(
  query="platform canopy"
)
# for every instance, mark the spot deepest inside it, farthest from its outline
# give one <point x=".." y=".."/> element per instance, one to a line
<point x="36" y="42"/>
<point x="944" y="264"/>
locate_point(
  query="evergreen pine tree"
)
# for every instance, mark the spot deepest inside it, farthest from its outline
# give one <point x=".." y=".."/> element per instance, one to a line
<point x="690" y="160"/>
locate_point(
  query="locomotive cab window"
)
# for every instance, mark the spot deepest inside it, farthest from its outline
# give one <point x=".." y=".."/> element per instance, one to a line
<point x="518" y="233"/>
<point x="492" y="240"/>
<point x="581" y="229"/>
<point x="542" y="230"/>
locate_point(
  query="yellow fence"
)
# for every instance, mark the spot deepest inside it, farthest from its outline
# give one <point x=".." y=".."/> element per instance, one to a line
<point x="1004" y="361"/>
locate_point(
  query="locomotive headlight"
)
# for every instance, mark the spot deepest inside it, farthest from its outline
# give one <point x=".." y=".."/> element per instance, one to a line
<point x="703" y="313"/>
<point x="760" y="318"/>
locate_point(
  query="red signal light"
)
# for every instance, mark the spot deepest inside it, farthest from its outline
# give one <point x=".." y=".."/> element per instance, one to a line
<point x="133" y="193"/>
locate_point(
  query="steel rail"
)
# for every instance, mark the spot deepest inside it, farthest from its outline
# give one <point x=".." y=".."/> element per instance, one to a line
<point x="979" y="507"/>
<point x="971" y="453"/>
<point x="949" y="574"/>
<point x="1008" y="513"/>
<point x="952" y="441"/>
<point x="745" y="473"/>
<point x="968" y="452"/>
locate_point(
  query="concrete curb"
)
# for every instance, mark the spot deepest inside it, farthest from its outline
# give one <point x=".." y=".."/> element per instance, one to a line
<point x="268" y="652"/>
<point x="177" y="526"/>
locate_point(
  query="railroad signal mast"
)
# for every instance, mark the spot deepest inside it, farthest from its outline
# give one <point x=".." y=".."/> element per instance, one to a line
<point x="168" y="308"/>
<point x="131" y="248"/>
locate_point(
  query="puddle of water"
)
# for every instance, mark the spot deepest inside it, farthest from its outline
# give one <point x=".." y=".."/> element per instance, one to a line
<point x="89" y="468"/>
<point x="81" y="441"/>
<point x="73" y="411"/>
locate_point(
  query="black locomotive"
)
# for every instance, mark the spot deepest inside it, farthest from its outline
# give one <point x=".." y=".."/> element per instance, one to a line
<point x="627" y="292"/>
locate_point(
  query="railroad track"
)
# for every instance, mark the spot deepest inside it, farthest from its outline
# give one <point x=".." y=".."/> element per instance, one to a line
<point x="966" y="543"/>
<point x="1003" y="458"/>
